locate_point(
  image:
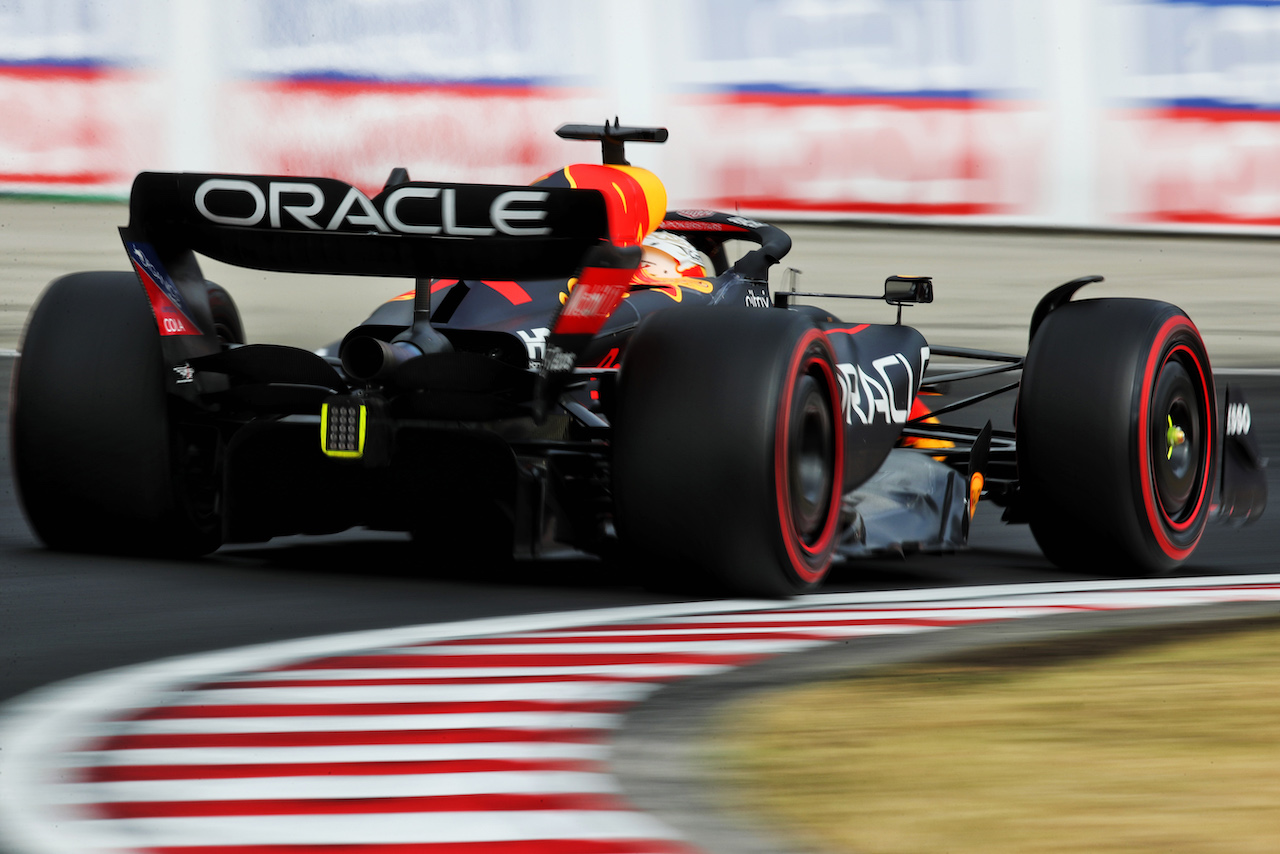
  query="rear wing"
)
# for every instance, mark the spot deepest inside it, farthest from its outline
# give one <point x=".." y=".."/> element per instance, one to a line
<point x="412" y="229"/>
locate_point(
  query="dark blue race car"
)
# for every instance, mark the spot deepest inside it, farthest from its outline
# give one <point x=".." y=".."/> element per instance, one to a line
<point x="577" y="366"/>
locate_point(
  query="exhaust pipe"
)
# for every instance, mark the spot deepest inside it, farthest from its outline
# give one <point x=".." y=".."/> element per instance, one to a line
<point x="367" y="358"/>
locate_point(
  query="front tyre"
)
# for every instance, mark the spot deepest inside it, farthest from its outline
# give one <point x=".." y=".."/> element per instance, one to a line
<point x="1116" y="436"/>
<point x="728" y="453"/>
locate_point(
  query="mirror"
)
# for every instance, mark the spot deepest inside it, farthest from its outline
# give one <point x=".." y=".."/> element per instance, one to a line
<point x="901" y="289"/>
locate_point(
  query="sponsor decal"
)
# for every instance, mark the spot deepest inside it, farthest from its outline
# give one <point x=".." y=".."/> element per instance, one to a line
<point x="869" y="397"/>
<point x="1239" y="419"/>
<point x="166" y="299"/>
<point x="535" y="341"/>
<point x="294" y="204"/>
<point x="186" y="373"/>
<point x="686" y="225"/>
<point x="757" y="299"/>
<point x="559" y="361"/>
<point x="696" y="214"/>
<point x="173" y="323"/>
<point x="151" y="266"/>
<point x="591" y="299"/>
<point x="745" y="223"/>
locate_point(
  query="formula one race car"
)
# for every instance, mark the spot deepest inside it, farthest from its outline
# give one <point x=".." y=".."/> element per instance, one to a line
<point x="579" y="367"/>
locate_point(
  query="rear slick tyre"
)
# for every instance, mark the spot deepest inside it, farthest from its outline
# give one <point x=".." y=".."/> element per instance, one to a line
<point x="1117" y="443"/>
<point x="728" y="453"/>
<point x="97" y="463"/>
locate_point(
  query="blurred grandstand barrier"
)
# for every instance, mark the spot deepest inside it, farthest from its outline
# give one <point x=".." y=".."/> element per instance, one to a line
<point x="1096" y="113"/>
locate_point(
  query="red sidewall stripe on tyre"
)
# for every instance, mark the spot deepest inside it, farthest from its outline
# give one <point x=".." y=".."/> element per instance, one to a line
<point x="800" y="554"/>
<point x="1156" y="515"/>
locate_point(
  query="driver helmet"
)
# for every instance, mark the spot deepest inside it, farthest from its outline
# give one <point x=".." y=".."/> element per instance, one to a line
<point x="670" y="256"/>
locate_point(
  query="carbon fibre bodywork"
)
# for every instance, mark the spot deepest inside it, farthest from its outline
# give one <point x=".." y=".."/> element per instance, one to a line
<point x="464" y="415"/>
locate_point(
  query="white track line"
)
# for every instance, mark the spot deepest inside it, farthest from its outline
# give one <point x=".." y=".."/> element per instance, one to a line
<point x="338" y="786"/>
<point x="326" y="755"/>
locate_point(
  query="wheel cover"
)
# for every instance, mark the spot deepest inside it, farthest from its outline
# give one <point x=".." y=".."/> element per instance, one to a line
<point x="811" y="458"/>
<point x="1174" y="439"/>
<point x="1176" y="447"/>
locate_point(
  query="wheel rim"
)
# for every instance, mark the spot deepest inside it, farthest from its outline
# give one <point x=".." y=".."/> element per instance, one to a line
<point x="1177" y="447"/>
<point x="811" y="461"/>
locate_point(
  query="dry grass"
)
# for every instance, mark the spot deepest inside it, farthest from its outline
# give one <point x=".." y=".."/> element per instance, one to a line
<point x="1166" y="747"/>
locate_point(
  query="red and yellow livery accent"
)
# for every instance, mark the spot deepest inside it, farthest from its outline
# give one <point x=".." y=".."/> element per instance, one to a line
<point x="635" y="199"/>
